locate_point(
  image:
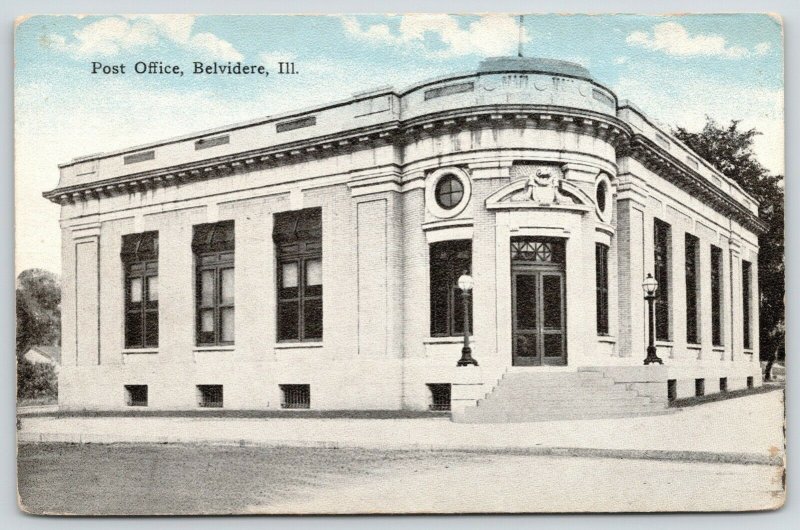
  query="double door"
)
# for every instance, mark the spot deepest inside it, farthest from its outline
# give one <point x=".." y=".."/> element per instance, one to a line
<point x="539" y="316"/>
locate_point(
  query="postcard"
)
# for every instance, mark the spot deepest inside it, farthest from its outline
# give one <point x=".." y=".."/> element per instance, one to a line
<point x="414" y="263"/>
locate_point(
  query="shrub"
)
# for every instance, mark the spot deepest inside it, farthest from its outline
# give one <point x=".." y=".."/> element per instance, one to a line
<point x="36" y="380"/>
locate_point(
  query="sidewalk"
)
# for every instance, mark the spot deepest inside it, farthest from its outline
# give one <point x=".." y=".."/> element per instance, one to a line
<point x="742" y="430"/>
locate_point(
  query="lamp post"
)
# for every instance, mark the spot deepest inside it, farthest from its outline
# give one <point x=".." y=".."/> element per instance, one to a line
<point x="465" y="283"/>
<point x="650" y="286"/>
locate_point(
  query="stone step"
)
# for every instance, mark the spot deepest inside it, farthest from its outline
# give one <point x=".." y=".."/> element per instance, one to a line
<point x="469" y="416"/>
<point x="567" y="406"/>
<point x="563" y="404"/>
<point x="533" y="373"/>
<point x="531" y="408"/>
<point x="617" y="390"/>
<point x="521" y="396"/>
<point x="556" y="383"/>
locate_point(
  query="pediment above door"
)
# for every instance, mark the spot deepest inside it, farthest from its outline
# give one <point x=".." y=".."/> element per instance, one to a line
<point x="539" y="186"/>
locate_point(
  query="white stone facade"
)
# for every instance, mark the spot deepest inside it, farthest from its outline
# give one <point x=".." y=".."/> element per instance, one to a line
<point x="371" y="164"/>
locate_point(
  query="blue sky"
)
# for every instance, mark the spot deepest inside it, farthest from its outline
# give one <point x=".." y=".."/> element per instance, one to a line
<point x="677" y="69"/>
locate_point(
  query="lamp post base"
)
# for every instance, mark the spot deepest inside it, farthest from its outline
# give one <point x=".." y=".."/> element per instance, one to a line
<point x="466" y="358"/>
<point x="652" y="357"/>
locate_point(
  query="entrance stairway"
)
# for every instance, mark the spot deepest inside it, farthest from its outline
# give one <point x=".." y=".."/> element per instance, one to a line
<point x="526" y="395"/>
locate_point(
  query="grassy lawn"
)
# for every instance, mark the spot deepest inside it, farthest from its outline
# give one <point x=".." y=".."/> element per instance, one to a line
<point x="128" y="479"/>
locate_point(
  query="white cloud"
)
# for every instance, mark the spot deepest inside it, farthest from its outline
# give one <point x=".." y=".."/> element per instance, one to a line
<point x="120" y="112"/>
<point x="111" y="36"/>
<point x="673" y="39"/>
<point x="490" y="35"/>
<point x="762" y="48"/>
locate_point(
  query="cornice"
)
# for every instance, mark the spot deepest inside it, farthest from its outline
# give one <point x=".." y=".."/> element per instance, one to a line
<point x="666" y="166"/>
<point x="394" y="132"/>
<point x="597" y="125"/>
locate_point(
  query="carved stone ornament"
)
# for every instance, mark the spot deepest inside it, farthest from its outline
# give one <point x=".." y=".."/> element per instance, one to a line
<point x="542" y="185"/>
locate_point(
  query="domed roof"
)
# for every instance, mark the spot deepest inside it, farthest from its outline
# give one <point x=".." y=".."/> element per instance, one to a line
<point x="533" y="64"/>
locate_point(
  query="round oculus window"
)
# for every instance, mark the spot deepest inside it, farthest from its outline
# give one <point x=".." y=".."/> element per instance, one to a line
<point x="449" y="192"/>
<point x="602" y="191"/>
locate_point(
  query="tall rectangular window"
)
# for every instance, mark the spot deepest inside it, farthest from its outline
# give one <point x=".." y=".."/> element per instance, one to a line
<point x="448" y="261"/>
<point x="661" y="267"/>
<point x="692" y="252"/>
<point x="747" y="279"/>
<point x="214" y="245"/>
<point x="716" y="296"/>
<point x="601" y="279"/>
<point x="298" y="244"/>
<point x="140" y="259"/>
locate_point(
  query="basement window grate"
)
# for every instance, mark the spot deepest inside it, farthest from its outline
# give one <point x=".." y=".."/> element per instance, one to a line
<point x="209" y="396"/>
<point x="296" y="396"/>
<point x="136" y="395"/>
<point x="699" y="387"/>
<point x="723" y="384"/>
<point x="749" y="381"/>
<point x="672" y="390"/>
<point x="440" y="396"/>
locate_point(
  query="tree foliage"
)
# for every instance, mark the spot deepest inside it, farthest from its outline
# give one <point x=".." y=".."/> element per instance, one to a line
<point x="36" y="380"/>
<point x="730" y="149"/>
<point x="38" y="309"/>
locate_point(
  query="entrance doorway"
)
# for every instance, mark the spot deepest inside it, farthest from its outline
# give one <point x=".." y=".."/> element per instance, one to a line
<point x="538" y="302"/>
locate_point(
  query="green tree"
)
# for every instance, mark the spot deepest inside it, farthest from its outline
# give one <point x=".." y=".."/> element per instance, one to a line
<point x="38" y="309"/>
<point x="730" y="149"/>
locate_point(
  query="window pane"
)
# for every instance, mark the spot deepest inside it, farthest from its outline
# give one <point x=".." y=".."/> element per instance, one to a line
<point x="716" y="296"/>
<point x="526" y="345"/>
<point x="692" y="328"/>
<point x="133" y="329"/>
<point x="226" y="324"/>
<point x="312" y="315"/>
<point x="288" y="325"/>
<point x="151" y="328"/>
<point x="289" y="275"/>
<point x="135" y="290"/>
<point x="552" y="345"/>
<point x="226" y="293"/>
<point x="207" y="321"/>
<point x="526" y="302"/>
<point x="448" y="260"/>
<point x="457" y="298"/>
<point x="439" y="312"/>
<point x="207" y="288"/>
<point x="152" y="288"/>
<point x="551" y="300"/>
<point x="314" y="272"/>
<point x="601" y="279"/>
<point x="661" y="266"/>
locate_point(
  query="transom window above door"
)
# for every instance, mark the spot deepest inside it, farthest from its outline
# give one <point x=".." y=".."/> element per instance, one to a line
<point x="537" y="250"/>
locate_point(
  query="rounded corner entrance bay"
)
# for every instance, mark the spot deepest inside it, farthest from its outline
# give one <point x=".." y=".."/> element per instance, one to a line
<point x="315" y="259"/>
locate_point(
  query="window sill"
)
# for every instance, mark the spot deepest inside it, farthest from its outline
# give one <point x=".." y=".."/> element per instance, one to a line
<point x="213" y="348"/>
<point x="748" y="352"/>
<point x="719" y="349"/>
<point x="607" y="338"/>
<point x="297" y="345"/>
<point x="447" y="340"/>
<point x="665" y="343"/>
<point x="694" y="347"/>
<point x="139" y="351"/>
